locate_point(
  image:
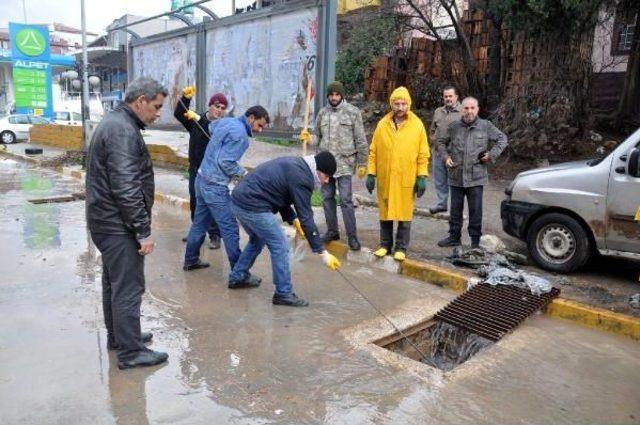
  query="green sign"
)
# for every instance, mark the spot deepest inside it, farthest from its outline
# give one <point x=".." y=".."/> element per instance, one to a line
<point x="30" y="86"/>
<point x="30" y="42"/>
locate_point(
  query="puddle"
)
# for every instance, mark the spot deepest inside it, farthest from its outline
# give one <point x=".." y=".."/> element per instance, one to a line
<point x="444" y="346"/>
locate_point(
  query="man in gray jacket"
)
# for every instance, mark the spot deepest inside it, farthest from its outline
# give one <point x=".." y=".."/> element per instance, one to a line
<point x="465" y="145"/>
<point x="442" y="117"/>
<point x="339" y="130"/>
<point x="120" y="187"/>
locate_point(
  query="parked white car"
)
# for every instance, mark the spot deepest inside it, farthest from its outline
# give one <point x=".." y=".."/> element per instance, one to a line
<point x="67" y="118"/>
<point x="16" y="127"/>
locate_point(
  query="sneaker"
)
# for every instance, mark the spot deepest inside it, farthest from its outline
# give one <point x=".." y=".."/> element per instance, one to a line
<point x="214" y="242"/>
<point x="449" y="241"/>
<point x="330" y="236"/>
<point x="143" y="358"/>
<point x="146" y="338"/>
<point x="475" y="244"/>
<point x="354" y="243"/>
<point x="199" y="265"/>
<point x="250" y="282"/>
<point x="291" y="300"/>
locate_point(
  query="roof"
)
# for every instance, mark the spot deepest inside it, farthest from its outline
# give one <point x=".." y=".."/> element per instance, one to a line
<point x="66" y="28"/>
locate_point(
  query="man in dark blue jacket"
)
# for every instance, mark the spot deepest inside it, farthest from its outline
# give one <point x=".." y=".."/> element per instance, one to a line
<point x="273" y="187"/>
<point x="220" y="166"/>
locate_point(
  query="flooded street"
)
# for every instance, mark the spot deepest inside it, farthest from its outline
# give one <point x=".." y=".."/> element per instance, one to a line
<point x="235" y="358"/>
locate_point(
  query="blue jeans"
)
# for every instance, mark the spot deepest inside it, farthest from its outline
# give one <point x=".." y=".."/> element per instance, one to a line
<point x="212" y="202"/>
<point x="441" y="181"/>
<point x="263" y="229"/>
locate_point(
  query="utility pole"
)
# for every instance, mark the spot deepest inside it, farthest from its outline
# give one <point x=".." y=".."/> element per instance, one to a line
<point x="85" y="85"/>
<point x="24" y="11"/>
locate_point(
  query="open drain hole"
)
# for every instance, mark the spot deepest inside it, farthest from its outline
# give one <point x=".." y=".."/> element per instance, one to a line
<point x="446" y="346"/>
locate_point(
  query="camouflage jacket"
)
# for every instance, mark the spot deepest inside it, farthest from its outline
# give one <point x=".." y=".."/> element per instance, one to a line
<point x="340" y="131"/>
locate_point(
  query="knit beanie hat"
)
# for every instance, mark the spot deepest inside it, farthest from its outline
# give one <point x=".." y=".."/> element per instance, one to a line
<point x="218" y="98"/>
<point x="335" y="87"/>
<point x="326" y="162"/>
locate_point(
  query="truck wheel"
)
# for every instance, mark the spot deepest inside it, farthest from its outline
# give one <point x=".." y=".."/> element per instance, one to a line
<point x="557" y="242"/>
<point x="7" y="137"/>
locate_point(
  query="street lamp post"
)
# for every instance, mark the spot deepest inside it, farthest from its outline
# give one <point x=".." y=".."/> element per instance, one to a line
<point x="85" y="83"/>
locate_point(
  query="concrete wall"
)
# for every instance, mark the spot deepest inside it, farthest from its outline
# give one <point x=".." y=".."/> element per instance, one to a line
<point x="173" y="63"/>
<point x="266" y="61"/>
<point x="61" y="136"/>
<point x="601" y="58"/>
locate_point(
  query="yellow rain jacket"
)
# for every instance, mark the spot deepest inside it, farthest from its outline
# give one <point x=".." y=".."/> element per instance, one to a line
<point x="396" y="158"/>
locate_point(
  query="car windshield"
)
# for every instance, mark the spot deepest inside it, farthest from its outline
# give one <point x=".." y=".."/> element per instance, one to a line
<point x="63" y="116"/>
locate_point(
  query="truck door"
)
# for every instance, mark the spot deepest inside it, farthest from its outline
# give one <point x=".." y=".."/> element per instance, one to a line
<point x="623" y="200"/>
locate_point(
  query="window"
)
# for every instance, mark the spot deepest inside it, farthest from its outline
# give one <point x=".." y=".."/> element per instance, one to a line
<point x="62" y="116"/>
<point x="623" y="29"/>
<point x="38" y="120"/>
<point x="76" y="116"/>
<point x="625" y="38"/>
<point x="19" y="119"/>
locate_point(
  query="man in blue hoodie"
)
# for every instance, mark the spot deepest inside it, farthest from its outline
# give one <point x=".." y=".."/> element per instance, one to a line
<point x="273" y="187"/>
<point x="219" y="167"/>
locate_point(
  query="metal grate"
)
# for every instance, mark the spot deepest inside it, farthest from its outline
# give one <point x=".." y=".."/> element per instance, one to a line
<point x="493" y="311"/>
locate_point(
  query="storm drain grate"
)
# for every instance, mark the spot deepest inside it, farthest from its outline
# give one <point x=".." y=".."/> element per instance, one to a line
<point x="493" y="311"/>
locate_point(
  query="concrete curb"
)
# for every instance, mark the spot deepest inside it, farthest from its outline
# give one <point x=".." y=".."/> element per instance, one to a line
<point x="584" y="314"/>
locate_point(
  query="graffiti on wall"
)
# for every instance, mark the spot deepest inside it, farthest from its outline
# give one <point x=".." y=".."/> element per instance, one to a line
<point x="268" y="62"/>
<point x="173" y="63"/>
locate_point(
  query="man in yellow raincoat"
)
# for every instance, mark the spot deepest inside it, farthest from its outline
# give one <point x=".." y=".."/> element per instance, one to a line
<point x="398" y="160"/>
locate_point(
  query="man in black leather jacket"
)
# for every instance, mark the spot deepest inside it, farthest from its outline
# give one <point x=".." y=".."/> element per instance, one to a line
<point x="120" y="187"/>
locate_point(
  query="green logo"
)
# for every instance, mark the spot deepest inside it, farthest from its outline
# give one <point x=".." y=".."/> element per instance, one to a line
<point x="30" y="42"/>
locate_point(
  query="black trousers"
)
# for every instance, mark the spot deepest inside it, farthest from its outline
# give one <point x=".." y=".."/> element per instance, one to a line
<point x="122" y="289"/>
<point x="403" y="235"/>
<point x="474" y="203"/>
<point x="213" y="229"/>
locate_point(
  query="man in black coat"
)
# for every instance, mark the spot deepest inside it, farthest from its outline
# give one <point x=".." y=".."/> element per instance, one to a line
<point x="119" y="189"/>
<point x="198" y="128"/>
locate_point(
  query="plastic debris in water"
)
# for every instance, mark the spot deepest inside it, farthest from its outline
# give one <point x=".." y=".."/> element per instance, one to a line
<point x="235" y="360"/>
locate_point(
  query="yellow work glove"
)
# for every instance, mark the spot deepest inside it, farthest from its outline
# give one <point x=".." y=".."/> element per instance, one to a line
<point x="189" y="92"/>
<point x="305" y="136"/>
<point x="638" y="214"/>
<point x="362" y="171"/>
<point x="330" y="261"/>
<point x="296" y="224"/>
<point x="190" y="115"/>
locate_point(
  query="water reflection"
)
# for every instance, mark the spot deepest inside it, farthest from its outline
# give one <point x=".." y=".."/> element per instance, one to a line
<point x="127" y="394"/>
<point x="86" y="264"/>
<point x="41" y="225"/>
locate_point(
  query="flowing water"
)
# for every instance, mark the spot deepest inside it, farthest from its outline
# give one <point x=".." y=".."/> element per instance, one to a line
<point x="452" y="346"/>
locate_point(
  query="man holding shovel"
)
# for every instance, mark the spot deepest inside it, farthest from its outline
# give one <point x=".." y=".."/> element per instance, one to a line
<point x="273" y="187"/>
